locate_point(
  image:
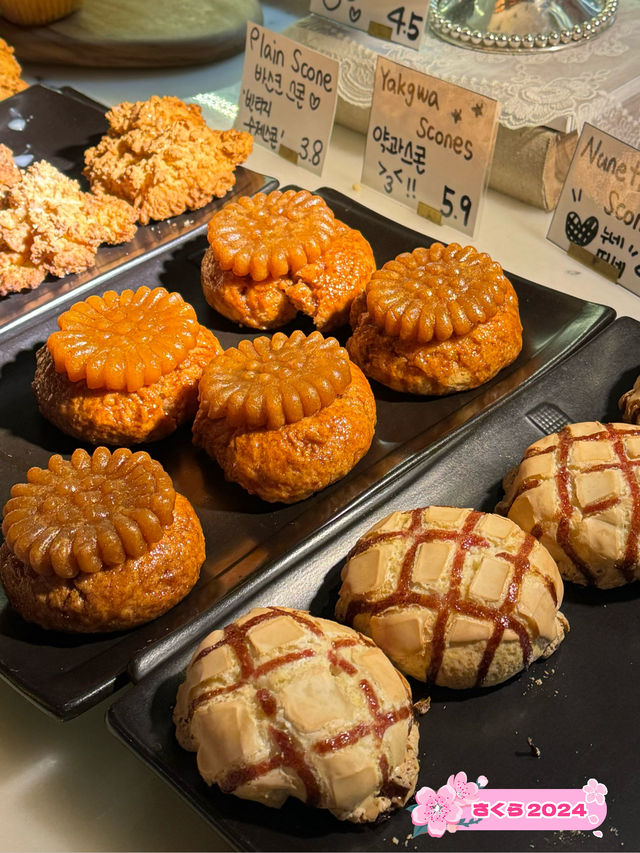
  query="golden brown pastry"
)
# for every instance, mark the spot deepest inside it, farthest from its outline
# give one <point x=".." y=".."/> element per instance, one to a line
<point x="48" y="225"/>
<point x="453" y="596"/>
<point x="98" y="543"/>
<point x="286" y="416"/>
<point x="577" y="491"/>
<point x="9" y="172"/>
<point x="10" y="81"/>
<point x="436" y="320"/>
<point x="161" y="157"/>
<point x="271" y="256"/>
<point x="629" y="403"/>
<point x="124" y="367"/>
<point x="281" y="703"/>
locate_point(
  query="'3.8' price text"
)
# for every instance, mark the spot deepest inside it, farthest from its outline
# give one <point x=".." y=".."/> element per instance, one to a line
<point x="310" y="150"/>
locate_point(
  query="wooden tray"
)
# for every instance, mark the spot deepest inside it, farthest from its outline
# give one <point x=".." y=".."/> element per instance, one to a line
<point x="138" y="34"/>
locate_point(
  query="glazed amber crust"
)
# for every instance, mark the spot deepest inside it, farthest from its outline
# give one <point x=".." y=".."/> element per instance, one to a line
<point x="118" y="597"/>
<point x="120" y="417"/>
<point x="291" y="463"/>
<point x="439" y="367"/>
<point x="323" y="289"/>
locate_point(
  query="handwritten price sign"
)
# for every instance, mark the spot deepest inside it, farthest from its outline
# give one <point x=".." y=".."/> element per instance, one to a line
<point x="597" y="218"/>
<point x="402" y="24"/>
<point x="429" y="144"/>
<point x="288" y="97"/>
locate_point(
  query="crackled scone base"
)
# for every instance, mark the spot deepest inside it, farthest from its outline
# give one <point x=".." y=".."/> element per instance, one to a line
<point x="256" y="304"/>
<point x="281" y="703"/>
<point x="577" y="491"/>
<point x="291" y="463"/>
<point x="323" y="290"/>
<point x="438" y="367"/>
<point x="119" y="417"/>
<point x="117" y="597"/>
<point x="454" y="597"/>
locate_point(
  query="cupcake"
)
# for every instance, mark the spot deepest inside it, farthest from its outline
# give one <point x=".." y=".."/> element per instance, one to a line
<point x="101" y="542"/>
<point x="436" y="320"/>
<point x="124" y="367"/>
<point x="271" y="256"/>
<point x="32" y="13"/>
<point x="286" y="416"/>
<point x="281" y="703"/>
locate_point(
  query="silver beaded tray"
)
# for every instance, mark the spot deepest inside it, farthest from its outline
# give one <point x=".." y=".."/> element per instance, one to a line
<point x="524" y="26"/>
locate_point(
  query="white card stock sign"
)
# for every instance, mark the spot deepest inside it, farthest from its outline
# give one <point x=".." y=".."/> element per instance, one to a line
<point x="597" y="219"/>
<point x="403" y="24"/>
<point x="288" y="97"/>
<point x="429" y="144"/>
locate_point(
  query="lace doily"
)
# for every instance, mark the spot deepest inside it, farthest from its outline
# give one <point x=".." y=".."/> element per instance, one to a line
<point x="596" y="81"/>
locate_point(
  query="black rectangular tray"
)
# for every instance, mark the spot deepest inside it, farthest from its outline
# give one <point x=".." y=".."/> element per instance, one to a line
<point x="579" y="707"/>
<point x="58" y="125"/>
<point x="244" y="535"/>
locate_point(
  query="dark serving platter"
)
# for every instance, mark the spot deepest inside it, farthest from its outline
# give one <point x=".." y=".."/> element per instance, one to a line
<point x="579" y="706"/>
<point x="58" y="125"/>
<point x="244" y="535"/>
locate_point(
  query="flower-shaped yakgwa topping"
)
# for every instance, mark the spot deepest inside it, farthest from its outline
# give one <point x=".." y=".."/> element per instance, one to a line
<point x="436" y="293"/>
<point x="124" y="341"/>
<point x="88" y="513"/>
<point x="270" y="382"/>
<point x="271" y="235"/>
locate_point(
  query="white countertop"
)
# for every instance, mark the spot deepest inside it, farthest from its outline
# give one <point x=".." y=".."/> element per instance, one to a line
<point x="72" y="786"/>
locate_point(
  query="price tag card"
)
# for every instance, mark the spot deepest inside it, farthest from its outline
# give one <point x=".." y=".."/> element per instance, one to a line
<point x="429" y="144"/>
<point x="381" y="18"/>
<point x="597" y="219"/>
<point x="288" y="97"/>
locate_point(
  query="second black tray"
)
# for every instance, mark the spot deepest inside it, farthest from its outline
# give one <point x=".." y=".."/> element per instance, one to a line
<point x="579" y="707"/>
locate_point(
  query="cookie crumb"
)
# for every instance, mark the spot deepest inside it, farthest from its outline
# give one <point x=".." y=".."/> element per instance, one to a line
<point x="535" y="751"/>
<point x="356" y="187"/>
<point x="395" y="840"/>
<point x="422" y="706"/>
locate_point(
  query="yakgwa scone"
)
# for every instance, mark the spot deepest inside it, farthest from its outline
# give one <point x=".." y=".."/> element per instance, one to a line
<point x="436" y="320"/>
<point x="100" y="542"/>
<point x="285" y="416"/>
<point x="453" y="596"/>
<point x="281" y="703"/>
<point x="124" y="367"/>
<point x="273" y="255"/>
<point x="578" y="492"/>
